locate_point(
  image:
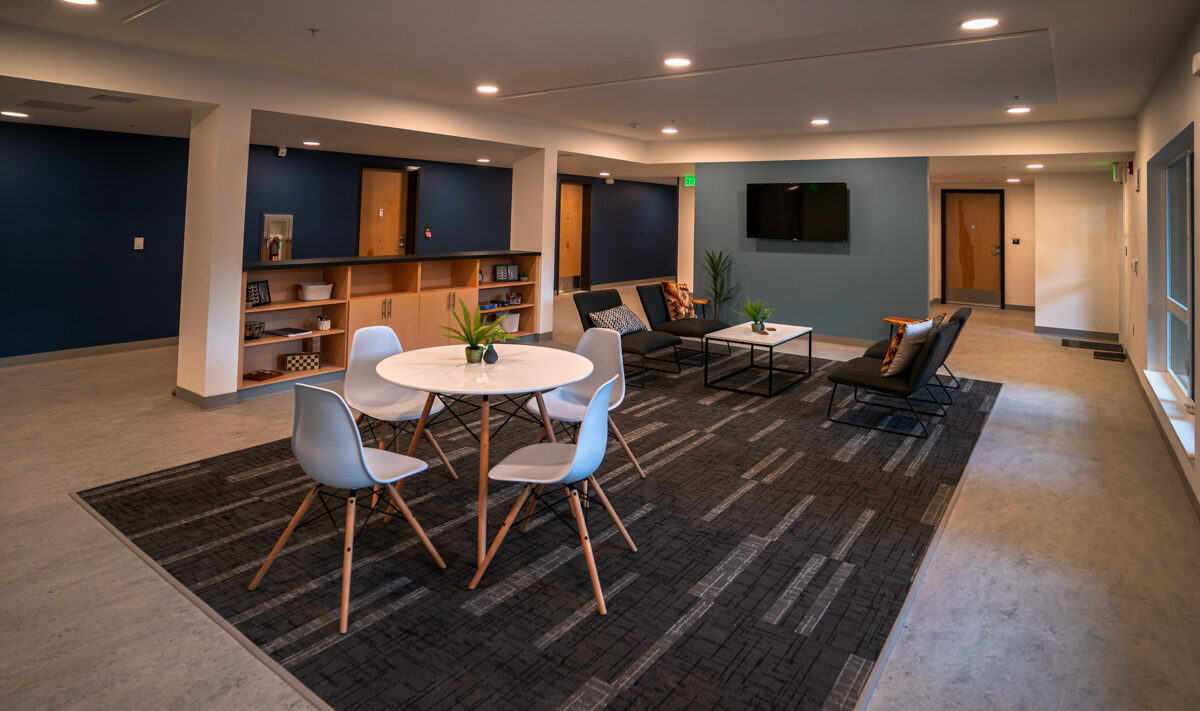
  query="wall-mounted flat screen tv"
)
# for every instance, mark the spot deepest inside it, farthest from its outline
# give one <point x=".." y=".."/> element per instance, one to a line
<point x="798" y="211"/>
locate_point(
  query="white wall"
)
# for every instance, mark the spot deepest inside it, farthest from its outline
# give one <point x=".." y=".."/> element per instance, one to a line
<point x="685" y="254"/>
<point x="1018" y="224"/>
<point x="1078" y="228"/>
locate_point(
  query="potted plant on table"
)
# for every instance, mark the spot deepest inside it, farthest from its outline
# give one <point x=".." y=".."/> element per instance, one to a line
<point x="758" y="313"/>
<point x="471" y="330"/>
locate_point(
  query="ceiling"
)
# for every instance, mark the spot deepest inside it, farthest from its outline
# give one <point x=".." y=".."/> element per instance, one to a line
<point x="142" y="114"/>
<point x="765" y="67"/>
<point x="997" y="169"/>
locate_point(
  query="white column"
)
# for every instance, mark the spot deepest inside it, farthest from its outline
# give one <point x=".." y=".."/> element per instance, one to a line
<point x="685" y="252"/>
<point x="534" y="197"/>
<point x="211" y="296"/>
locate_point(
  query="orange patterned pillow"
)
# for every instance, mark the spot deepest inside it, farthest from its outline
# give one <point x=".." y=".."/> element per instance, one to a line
<point x="679" y="300"/>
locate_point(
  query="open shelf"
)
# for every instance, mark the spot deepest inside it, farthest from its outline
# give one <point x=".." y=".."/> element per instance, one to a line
<point x="285" y="305"/>
<point x="500" y="309"/>
<point x="294" y="375"/>
<point x="268" y="340"/>
<point x="501" y="284"/>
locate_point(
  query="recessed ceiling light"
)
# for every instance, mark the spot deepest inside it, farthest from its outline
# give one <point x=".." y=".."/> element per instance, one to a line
<point x="487" y="88"/>
<point x="312" y="143"/>
<point x="1014" y="180"/>
<point x="1019" y="109"/>
<point x="81" y="2"/>
<point x="819" y="122"/>
<point x="670" y="129"/>
<point x="14" y="114"/>
<point x="980" y="23"/>
<point x="483" y="160"/>
<point x="604" y="174"/>
<point x="677" y="62"/>
<point x="1035" y="166"/>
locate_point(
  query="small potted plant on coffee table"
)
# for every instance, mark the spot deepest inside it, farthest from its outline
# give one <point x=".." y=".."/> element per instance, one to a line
<point x="758" y="313"/>
<point x="472" y="331"/>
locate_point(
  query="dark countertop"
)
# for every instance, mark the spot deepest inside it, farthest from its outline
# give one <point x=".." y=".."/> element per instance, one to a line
<point x="390" y="259"/>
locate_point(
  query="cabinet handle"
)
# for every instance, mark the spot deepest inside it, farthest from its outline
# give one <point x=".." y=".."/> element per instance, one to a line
<point x="382" y="309"/>
<point x="389" y="308"/>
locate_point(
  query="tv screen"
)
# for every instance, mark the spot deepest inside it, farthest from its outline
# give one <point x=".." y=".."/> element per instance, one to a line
<point x="798" y="211"/>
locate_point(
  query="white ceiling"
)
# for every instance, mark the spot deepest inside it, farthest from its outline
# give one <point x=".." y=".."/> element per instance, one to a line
<point x="997" y="169"/>
<point x="765" y="66"/>
<point x="147" y="114"/>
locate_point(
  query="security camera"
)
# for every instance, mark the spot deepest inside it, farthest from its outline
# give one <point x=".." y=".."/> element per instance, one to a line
<point x="282" y="151"/>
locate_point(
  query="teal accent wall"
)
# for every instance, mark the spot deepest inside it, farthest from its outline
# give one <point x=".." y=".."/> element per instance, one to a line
<point x="839" y="288"/>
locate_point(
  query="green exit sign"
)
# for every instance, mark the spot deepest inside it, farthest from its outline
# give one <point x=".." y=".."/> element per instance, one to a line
<point x="689" y="181"/>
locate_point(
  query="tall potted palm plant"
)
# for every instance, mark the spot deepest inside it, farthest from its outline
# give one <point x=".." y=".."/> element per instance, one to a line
<point x="719" y="267"/>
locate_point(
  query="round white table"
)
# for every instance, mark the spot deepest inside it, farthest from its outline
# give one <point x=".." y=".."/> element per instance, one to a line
<point x="520" y="370"/>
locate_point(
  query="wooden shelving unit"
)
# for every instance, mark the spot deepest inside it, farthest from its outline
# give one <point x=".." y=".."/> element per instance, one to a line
<point x="409" y="294"/>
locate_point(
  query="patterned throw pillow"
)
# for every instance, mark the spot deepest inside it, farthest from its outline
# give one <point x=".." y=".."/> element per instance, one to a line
<point x="904" y="346"/>
<point x="620" y="319"/>
<point x="679" y="300"/>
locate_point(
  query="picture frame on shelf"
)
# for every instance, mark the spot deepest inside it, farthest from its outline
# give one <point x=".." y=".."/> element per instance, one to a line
<point x="258" y="293"/>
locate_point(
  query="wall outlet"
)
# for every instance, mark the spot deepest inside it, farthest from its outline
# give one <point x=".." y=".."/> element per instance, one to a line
<point x="139" y="243"/>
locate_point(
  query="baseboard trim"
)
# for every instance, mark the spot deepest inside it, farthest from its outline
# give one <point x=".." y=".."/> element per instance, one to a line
<point x="842" y="340"/>
<point x="1018" y="307"/>
<point x="206" y="402"/>
<point x="49" y="356"/>
<point x="1093" y="335"/>
<point x="1158" y="416"/>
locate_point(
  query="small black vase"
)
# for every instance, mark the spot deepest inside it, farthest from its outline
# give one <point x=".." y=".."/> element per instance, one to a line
<point x="490" y="355"/>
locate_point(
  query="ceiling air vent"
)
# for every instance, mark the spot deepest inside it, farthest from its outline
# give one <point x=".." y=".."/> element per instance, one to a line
<point x="113" y="99"/>
<point x="55" y="106"/>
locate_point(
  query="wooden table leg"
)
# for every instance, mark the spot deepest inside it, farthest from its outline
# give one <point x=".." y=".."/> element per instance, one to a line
<point x="483" y="480"/>
<point x="545" y="416"/>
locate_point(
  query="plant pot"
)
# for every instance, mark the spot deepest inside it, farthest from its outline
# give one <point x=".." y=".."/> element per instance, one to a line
<point x="490" y="355"/>
<point x="475" y="354"/>
<point x="758" y="326"/>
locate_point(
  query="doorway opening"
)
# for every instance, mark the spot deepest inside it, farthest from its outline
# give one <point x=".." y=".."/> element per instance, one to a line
<point x="973" y="247"/>
<point x="387" y="215"/>
<point x="574" y="237"/>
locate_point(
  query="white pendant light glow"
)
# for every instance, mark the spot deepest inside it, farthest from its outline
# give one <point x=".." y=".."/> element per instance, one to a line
<point x="312" y="143"/>
<point x="604" y="174"/>
<point x="81" y="2"/>
<point x="677" y="62"/>
<point x="1014" y="180"/>
<point x="483" y="160"/>
<point x="1019" y="109"/>
<point x="487" y="88"/>
<point x="1035" y="166"/>
<point x="820" y="122"/>
<point x="980" y="23"/>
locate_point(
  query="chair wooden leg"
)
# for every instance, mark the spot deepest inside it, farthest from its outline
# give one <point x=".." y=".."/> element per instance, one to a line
<point x="612" y="513"/>
<point x="508" y="522"/>
<point x="412" y="521"/>
<point x="382" y="434"/>
<point x="441" y="455"/>
<point x="287" y="532"/>
<point x="529" y="509"/>
<point x="347" y="560"/>
<point x="624" y="445"/>
<point x="577" y="510"/>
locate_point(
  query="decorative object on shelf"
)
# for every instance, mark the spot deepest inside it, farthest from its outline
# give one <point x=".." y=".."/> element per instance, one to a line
<point x="514" y="272"/>
<point x="472" y="331"/>
<point x="314" y="290"/>
<point x="500" y="271"/>
<point x="488" y="306"/>
<point x="277" y="237"/>
<point x="323" y="323"/>
<point x="258" y="293"/>
<point x="259" y="375"/>
<point x="512" y="298"/>
<point x="490" y="356"/>
<point x="719" y="267"/>
<point x="293" y="362"/>
<point x="289" y="332"/>
<point x="758" y="313"/>
<point x="510" y="323"/>
<point x="254" y="329"/>
<point x="480" y="276"/>
<point x="523" y="276"/>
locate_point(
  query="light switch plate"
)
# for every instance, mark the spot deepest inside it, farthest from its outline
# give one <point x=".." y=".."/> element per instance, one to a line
<point x="139" y="243"/>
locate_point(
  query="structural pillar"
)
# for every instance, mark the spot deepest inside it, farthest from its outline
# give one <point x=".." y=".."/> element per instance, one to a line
<point x="685" y="252"/>
<point x="211" y="296"/>
<point x="534" y="204"/>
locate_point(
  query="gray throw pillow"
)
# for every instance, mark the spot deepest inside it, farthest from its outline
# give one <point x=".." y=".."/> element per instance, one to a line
<point x="620" y="319"/>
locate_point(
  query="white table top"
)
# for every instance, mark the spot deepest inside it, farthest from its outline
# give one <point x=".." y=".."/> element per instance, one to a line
<point x="741" y="333"/>
<point x="521" y="369"/>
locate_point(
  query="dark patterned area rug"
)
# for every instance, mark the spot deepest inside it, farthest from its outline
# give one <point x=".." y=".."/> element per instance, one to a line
<point x="775" y="551"/>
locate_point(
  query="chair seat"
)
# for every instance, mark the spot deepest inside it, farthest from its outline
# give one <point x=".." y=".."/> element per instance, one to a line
<point x="691" y="327"/>
<point x="643" y="342"/>
<point x="544" y="463"/>
<point x="878" y="349"/>
<point x="395" y="405"/>
<point x="387" y="467"/>
<point x="560" y="405"/>
<point x="864" y="373"/>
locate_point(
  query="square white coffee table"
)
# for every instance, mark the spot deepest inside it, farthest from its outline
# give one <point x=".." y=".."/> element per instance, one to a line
<point x="742" y="334"/>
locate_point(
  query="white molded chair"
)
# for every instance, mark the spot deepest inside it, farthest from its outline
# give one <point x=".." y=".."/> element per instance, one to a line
<point x="547" y="464"/>
<point x="329" y="449"/>
<point x="602" y="346"/>
<point x="376" y="398"/>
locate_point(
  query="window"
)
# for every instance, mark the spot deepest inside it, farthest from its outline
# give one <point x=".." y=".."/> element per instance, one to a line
<point x="1180" y="330"/>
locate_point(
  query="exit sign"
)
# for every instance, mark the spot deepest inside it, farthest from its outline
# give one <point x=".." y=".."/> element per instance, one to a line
<point x="689" y="181"/>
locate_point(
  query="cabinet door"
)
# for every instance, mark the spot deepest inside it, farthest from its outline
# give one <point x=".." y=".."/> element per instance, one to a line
<point x="404" y="313"/>
<point x="434" y="313"/>
<point x="366" y="311"/>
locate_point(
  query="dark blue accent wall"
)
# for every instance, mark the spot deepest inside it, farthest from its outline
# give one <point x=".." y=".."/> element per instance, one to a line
<point x="467" y="207"/>
<point x="71" y="202"/>
<point x="635" y="229"/>
<point x="840" y="289"/>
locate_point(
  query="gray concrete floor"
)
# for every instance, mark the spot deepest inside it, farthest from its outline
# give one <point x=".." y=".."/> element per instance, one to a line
<point x="1067" y="575"/>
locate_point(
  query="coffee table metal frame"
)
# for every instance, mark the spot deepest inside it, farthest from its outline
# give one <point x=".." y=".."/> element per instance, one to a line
<point x="735" y="334"/>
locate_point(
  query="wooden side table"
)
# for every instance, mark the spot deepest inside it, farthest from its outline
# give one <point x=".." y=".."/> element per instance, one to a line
<point x="703" y="303"/>
<point x="894" y="321"/>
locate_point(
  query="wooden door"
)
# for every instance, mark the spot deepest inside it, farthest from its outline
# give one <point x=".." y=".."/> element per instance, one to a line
<point x="404" y="318"/>
<point x="973" y="246"/>
<point x="570" y="236"/>
<point x="382" y="212"/>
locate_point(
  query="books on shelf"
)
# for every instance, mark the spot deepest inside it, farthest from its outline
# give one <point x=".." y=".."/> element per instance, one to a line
<point x="289" y="332"/>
